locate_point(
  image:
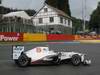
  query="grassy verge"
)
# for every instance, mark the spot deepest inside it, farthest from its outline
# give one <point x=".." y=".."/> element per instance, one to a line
<point x="89" y="41"/>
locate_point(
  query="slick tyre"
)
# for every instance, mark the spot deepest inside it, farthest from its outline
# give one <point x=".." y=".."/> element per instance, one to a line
<point x="56" y="60"/>
<point x="76" y="60"/>
<point x="23" y="60"/>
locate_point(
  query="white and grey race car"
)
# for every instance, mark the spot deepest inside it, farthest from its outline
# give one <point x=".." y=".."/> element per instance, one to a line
<point x="42" y="55"/>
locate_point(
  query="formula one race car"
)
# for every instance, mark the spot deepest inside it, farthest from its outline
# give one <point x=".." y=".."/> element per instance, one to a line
<point x="42" y="55"/>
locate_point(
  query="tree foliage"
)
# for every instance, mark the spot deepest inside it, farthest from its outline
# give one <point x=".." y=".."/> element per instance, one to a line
<point x="5" y="10"/>
<point x="60" y="4"/>
<point x="78" y="25"/>
<point x="94" y="23"/>
<point x="0" y="1"/>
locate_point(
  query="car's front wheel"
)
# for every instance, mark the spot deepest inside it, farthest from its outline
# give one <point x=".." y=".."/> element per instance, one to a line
<point x="23" y="60"/>
<point x="56" y="60"/>
<point x="76" y="60"/>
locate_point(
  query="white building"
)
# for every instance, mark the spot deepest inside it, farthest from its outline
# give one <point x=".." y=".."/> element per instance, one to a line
<point x="18" y="21"/>
<point x="50" y="19"/>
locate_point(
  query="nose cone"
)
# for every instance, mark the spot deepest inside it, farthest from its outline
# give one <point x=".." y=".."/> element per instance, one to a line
<point x="87" y="62"/>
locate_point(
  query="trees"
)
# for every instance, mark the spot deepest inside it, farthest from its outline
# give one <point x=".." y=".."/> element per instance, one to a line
<point x="30" y="12"/>
<point x="60" y="4"/>
<point x="94" y="23"/>
<point x="0" y="1"/>
<point x="5" y="10"/>
<point x="78" y="25"/>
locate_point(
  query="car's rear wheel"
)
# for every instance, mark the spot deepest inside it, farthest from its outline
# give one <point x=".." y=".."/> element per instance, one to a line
<point x="76" y="60"/>
<point x="23" y="60"/>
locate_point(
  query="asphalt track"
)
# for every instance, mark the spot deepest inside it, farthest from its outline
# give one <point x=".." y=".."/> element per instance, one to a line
<point x="7" y="66"/>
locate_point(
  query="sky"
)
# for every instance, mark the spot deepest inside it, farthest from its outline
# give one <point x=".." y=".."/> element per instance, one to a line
<point x="75" y="6"/>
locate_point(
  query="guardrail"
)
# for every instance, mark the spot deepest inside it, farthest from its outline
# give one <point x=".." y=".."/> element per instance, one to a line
<point x="87" y="37"/>
<point x="27" y="37"/>
<point x="60" y="37"/>
<point x="5" y="36"/>
<point x="34" y="37"/>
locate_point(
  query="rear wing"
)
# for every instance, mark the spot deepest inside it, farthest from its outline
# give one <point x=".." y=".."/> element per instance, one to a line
<point x="16" y="51"/>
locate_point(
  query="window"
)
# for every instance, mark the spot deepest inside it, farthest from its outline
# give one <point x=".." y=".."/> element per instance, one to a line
<point x="68" y="22"/>
<point x="45" y="10"/>
<point x="51" y="19"/>
<point x="65" y="21"/>
<point x="40" y="20"/>
<point x="61" y="20"/>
